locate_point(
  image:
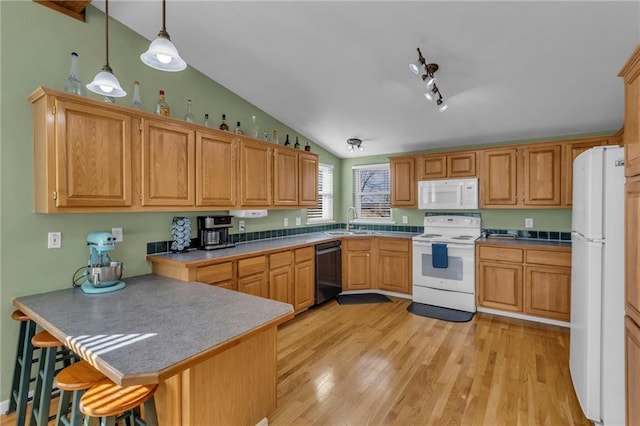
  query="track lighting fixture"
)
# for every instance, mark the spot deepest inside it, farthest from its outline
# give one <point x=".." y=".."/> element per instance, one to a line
<point x="162" y="54"/>
<point x="105" y="83"/>
<point x="353" y="144"/>
<point x="429" y="78"/>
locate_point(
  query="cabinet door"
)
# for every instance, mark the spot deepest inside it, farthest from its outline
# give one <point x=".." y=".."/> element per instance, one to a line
<point x="541" y="175"/>
<point x="632" y="364"/>
<point x="500" y="286"/>
<point x="304" y="284"/>
<point x="403" y="182"/>
<point x="216" y="178"/>
<point x="548" y="292"/>
<point x="570" y="152"/>
<point x="93" y="156"/>
<point x="280" y="284"/>
<point x="357" y="270"/>
<point x="256" y="174"/>
<point x="498" y="180"/>
<point x="168" y="164"/>
<point x="631" y="136"/>
<point x="461" y="165"/>
<point x="256" y="285"/>
<point x="285" y="182"/>
<point x="220" y="275"/>
<point x="632" y="248"/>
<point x="308" y="180"/>
<point x="393" y="271"/>
<point x="432" y="167"/>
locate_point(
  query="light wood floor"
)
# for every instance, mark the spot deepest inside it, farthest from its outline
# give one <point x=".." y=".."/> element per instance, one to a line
<point x="378" y="364"/>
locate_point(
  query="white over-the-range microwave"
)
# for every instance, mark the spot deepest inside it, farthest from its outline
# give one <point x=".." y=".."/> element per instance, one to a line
<point x="448" y="194"/>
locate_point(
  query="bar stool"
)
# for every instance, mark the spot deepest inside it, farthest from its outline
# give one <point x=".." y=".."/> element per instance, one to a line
<point x="74" y="380"/>
<point x="19" y="396"/>
<point x="108" y="401"/>
<point x="49" y="346"/>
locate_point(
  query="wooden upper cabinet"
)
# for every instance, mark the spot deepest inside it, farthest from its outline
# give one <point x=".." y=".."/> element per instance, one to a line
<point x="570" y="151"/>
<point x="541" y="175"/>
<point x="82" y="155"/>
<point x="432" y="167"/>
<point x="168" y="164"/>
<point x="285" y="181"/>
<point x="632" y="248"/>
<point x="461" y="165"/>
<point x="403" y="182"/>
<point x="216" y="166"/>
<point x="308" y="180"/>
<point x="499" y="178"/>
<point x="256" y="173"/>
<point x="631" y="136"/>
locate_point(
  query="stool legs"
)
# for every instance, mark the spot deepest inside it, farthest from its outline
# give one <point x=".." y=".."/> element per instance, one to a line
<point x="22" y="373"/>
<point x="42" y="400"/>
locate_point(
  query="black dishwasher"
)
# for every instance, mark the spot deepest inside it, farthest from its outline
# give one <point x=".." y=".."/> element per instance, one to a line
<point x="328" y="271"/>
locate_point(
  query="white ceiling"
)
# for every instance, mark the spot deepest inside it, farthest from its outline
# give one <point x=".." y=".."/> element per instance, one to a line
<point x="333" y="70"/>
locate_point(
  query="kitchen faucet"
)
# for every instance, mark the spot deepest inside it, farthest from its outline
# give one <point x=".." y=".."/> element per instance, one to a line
<point x="355" y="216"/>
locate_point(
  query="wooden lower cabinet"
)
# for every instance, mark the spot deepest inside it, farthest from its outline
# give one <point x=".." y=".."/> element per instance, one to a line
<point x="531" y="280"/>
<point x="356" y="264"/>
<point x="394" y="265"/>
<point x="632" y="349"/>
<point x="221" y="275"/>
<point x="253" y="277"/>
<point x="281" y="276"/>
<point x="304" y="278"/>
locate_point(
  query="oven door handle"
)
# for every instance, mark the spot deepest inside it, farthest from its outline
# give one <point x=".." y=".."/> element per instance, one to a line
<point x="449" y="245"/>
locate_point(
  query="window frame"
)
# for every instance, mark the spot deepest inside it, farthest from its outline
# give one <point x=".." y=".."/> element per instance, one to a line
<point x="356" y="195"/>
<point x="326" y="193"/>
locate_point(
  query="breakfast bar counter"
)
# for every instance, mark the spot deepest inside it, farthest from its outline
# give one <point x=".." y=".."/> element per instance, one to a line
<point x="212" y="350"/>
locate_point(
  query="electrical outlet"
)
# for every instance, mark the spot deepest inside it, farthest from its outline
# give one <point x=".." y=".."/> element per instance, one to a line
<point x="405" y="220"/>
<point x="241" y="226"/>
<point x="54" y="240"/>
<point x="298" y="221"/>
<point x="117" y="234"/>
<point x="528" y="222"/>
<point x="286" y="221"/>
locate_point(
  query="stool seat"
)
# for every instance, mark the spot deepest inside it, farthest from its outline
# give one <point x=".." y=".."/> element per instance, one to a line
<point x="78" y="376"/>
<point x="108" y="399"/>
<point x="45" y="340"/>
<point x="18" y="315"/>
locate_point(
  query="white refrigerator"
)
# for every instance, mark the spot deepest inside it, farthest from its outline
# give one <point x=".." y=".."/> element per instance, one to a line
<point x="597" y="284"/>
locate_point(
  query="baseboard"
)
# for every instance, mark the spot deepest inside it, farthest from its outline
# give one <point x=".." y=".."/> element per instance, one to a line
<point x="4" y="405"/>
<point x="524" y="317"/>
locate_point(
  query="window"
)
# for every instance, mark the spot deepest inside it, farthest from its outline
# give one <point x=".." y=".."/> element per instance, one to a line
<point x="324" y="211"/>
<point x="371" y="192"/>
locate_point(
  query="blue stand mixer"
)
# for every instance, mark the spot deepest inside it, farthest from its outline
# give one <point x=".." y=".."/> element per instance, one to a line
<point x="103" y="273"/>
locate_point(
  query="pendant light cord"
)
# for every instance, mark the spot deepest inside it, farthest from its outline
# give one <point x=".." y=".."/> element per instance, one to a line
<point x="164" y="13"/>
<point x="106" y="8"/>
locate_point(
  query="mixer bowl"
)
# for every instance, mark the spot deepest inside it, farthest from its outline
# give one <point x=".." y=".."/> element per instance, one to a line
<point x="105" y="276"/>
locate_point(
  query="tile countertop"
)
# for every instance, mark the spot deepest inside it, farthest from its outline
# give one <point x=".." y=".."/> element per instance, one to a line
<point x="524" y="242"/>
<point x="203" y="257"/>
<point x="152" y="329"/>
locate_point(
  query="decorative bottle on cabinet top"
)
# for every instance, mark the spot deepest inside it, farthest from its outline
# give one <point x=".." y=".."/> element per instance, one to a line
<point x="239" y="130"/>
<point x="286" y="141"/>
<point x="207" y="122"/>
<point x="307" y="147"/>
<point x="137" y="101"/>
<point x="74" y="82"/>
<point x="275" y="137"/>
<point x="162" y="107"/>
<point x="223" y="125"/>
<point x="297" y="144"/>
<point x="189" y="115"/>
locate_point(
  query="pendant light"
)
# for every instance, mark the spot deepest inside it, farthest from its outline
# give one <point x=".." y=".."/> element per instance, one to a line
<point x="105" y="83"/>
<point x="162" y="54"/>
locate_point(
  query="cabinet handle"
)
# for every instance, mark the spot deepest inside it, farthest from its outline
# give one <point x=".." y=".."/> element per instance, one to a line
<point x="55" y="195"/>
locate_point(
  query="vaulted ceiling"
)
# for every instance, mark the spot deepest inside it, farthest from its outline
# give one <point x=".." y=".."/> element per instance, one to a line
<point x="334" y="70"/>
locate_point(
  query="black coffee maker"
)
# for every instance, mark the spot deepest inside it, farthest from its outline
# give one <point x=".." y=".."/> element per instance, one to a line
<point x="213" y="232"/>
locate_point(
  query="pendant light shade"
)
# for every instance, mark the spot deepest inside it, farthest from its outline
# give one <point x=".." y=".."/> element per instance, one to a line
<point x="162" y="54"/>
<point x="105" y="83"/>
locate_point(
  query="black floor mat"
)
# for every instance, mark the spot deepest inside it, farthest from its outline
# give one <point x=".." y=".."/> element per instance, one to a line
<point x="361" y="298"/>
<point x="439" y="312"/>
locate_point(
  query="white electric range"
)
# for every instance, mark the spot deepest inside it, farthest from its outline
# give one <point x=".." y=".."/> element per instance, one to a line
<point x="452" y="286"/>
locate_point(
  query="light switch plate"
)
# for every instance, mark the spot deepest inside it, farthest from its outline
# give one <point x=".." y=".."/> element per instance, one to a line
<point x="405" y="220"/>
<point x="298" y="221"/>
<point x="54" y="240"/>
<point x="286" y="221"/>
<point x="528" y="222"/>
<point x="117" y="234"/>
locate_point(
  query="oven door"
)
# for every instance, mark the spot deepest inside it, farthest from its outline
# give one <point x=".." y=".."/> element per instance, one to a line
<point x="458" y="276"/>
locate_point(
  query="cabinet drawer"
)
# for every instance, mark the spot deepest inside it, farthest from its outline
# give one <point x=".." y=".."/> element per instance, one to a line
<point x="252" y="265"/>
<point x="303" y="254"/>
<point x="501" y="254"/>
<point x="279" y="259"/>
<point x="359" y="244"/>
<point x="215" y="273"/>
<point x="549" y="257"/>
<point x="388" y="244"/>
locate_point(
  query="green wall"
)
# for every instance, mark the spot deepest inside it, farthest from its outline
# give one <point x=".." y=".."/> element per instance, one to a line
<point x="35" y="44"/>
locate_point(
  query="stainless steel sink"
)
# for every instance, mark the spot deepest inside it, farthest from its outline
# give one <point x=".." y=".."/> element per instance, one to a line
<point x="338" y="232"/>
<point x="364" y="232"/>
<point x="354" y="232"/>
